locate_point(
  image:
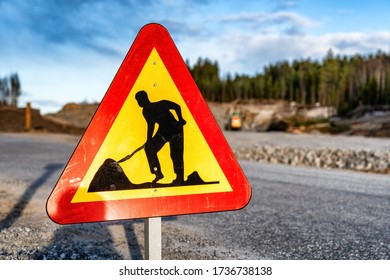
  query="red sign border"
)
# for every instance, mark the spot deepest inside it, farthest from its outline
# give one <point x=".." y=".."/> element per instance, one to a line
<point x="59" y="206"/>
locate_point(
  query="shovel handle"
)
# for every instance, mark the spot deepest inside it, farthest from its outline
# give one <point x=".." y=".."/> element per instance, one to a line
<point x="132" y="154"/>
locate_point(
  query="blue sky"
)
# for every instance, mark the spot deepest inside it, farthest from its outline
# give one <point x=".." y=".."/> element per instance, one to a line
<point x="70" y="50"/>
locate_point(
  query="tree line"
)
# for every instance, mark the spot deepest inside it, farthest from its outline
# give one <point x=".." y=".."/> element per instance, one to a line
<point x="343" y="82"/>
<point x="10" y="90"/>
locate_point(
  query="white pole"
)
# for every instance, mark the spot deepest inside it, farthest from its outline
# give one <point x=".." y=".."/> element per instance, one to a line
<point x="152" y="233"/>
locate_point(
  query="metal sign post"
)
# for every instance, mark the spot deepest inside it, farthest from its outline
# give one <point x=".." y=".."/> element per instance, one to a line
<point x="152" y="233"/>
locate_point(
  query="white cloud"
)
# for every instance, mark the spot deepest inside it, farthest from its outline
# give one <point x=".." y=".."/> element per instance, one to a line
<point x="263" y="19"/>
<point x="243" y="53"/>
<point x="285" y="4"/>
<point x="359" y="42"/>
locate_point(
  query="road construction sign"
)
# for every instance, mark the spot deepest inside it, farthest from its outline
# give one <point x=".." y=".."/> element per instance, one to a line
<point x="152" y="148"/>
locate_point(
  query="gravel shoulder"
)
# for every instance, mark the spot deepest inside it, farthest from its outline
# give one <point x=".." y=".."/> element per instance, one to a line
<point x="310" y="141"/>
<point x="314" y="150"/>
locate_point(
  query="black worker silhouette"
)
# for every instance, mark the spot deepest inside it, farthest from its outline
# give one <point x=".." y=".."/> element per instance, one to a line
<point x="170" y="130"/>
<point x="110" y="176"/>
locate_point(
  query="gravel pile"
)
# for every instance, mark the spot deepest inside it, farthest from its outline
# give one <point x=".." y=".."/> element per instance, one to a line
<point x="377" y="161"/>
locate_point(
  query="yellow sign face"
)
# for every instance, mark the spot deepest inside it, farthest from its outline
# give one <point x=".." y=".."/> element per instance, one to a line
<point x="130" y="131"/>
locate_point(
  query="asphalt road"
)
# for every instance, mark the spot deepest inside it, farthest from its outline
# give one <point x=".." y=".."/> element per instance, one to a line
<point x="306" y="213"/>
<point x="294" y="213"/>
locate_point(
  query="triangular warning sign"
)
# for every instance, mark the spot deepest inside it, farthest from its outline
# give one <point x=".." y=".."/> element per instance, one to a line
<point x="152" y="148"/>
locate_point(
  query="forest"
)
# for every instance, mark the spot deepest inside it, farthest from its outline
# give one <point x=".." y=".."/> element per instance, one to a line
<point x="343" y="82"/>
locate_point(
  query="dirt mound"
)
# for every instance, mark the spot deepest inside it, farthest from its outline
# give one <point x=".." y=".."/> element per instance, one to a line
<point x="367" y="111"/>
<point x="76" y="114"/>
<point x="371" y="121"/>
<point x="369" y="127"/>
<point x="256" y="115"/>
<point x="80" y="114"/>
<point x="13" y="120"/>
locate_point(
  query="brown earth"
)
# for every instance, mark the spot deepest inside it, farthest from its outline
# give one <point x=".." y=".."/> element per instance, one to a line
<point x="371" y="121"/>
<point x="368" y="121"/>
<point x="73" y="118"/>
<point x="78" y="115"/>
<point x="14" y="120"/>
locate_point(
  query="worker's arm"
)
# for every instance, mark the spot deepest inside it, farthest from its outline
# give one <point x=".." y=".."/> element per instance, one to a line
<point x="177" y="110"/>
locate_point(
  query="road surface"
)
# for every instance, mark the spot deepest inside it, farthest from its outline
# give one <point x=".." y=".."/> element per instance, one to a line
<point x="294" y="213"/>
